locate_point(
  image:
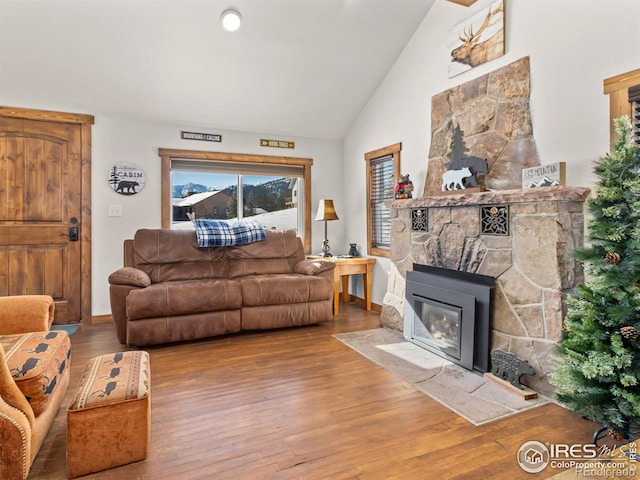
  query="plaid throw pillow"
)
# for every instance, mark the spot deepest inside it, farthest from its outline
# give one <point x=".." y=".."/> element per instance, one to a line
<point x="223" y="233"/>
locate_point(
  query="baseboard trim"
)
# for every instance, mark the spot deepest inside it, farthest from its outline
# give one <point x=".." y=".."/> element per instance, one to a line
<point x="360" y="302"/>
<point x="97" y="319"/>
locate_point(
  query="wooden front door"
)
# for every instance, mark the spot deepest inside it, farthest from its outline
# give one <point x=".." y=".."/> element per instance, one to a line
<point x="44" y="227"/>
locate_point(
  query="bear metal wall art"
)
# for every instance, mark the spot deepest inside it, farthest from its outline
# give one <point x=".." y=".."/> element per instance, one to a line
<point x="463" y="170"/>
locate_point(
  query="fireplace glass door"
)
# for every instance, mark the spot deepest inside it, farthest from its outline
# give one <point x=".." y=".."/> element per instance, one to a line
<point x="442" y="321"/>
<point x="439" y="324"/>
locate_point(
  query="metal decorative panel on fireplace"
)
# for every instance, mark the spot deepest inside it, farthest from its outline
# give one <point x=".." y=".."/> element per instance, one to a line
<point x="419" y="220"/>
<point x="494" y="220"/>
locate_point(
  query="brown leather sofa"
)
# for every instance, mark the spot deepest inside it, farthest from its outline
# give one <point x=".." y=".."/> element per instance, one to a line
<point x="171" y="290"/>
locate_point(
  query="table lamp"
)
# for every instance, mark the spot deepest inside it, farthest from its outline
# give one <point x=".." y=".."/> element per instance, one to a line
<point x="326" y="212"/>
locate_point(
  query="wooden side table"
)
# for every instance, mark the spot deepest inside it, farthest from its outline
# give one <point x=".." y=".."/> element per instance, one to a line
<point x="344" y="268"/>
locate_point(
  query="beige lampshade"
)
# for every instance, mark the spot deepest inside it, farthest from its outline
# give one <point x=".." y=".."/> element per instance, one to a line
<point x="326" y="210"/>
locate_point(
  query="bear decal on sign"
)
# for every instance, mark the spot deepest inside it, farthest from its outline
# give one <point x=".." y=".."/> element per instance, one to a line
<point x="126" y="178"/>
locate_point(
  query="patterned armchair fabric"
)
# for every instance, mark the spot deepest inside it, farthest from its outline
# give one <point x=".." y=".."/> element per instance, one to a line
<point x="36" y="361"/>
<point x="34" y="376"/>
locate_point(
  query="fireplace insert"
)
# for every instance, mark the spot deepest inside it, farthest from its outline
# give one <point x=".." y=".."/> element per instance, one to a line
<point x="449" y="313"/>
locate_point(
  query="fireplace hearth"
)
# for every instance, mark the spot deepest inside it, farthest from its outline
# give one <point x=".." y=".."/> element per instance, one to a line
<point x="448" y="312"/>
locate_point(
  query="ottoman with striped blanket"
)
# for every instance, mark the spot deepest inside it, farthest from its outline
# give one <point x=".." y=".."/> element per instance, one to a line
<point x="109" y="418"/>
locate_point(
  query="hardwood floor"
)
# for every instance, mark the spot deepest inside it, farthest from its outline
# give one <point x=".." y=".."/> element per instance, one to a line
<point x="299" y="404"/>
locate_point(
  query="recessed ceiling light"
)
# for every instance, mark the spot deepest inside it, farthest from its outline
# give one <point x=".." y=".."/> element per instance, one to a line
<point x="231" y="20"/>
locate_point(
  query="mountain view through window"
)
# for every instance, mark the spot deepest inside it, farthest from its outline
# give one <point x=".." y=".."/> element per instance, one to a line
<point x="271" y="200"/>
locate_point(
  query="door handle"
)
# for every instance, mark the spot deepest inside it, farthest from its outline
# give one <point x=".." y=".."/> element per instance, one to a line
<point x="73" y="234"/>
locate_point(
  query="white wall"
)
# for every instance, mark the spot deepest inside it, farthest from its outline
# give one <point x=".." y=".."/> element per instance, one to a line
<point x="573" y="46"/>
<point x="117" y="140"/>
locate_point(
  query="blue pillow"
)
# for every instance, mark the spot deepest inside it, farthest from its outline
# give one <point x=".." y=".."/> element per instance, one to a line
<point x="224" y="233"/>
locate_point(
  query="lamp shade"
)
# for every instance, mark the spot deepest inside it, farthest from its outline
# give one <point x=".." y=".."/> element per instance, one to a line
<point x="326" y="210"/>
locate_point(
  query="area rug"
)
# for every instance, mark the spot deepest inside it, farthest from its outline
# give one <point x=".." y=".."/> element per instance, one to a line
<point x="466" y="393"/>
<point x="70" y="329"/>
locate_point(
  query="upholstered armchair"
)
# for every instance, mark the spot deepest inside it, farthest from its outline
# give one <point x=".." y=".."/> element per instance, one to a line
<point x="34" y="376"/>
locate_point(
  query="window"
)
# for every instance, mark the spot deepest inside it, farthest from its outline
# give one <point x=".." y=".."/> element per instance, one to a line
<point x="624" y="98"/>
<point x="206" y="190"/>
<point x="383" y="168"/>
<point x="276" y="191"/>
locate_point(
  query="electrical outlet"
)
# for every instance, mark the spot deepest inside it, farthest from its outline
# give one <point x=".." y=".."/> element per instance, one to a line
<point x="115" y="210"/>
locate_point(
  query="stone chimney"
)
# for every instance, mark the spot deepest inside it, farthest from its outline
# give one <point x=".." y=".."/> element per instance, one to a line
<point x="521" y="237"/>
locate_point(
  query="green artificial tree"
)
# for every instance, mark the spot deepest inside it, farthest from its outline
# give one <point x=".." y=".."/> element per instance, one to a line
<point x="598" y="374"/>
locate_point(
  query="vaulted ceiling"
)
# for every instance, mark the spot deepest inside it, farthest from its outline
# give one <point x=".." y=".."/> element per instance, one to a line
<point x="295" y="67"/>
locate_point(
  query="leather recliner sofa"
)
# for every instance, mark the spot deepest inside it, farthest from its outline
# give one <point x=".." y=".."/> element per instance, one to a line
<point x="170" y="289"/>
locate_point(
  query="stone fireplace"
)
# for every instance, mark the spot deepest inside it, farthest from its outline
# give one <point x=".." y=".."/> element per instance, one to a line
<point x="522" y="238"/>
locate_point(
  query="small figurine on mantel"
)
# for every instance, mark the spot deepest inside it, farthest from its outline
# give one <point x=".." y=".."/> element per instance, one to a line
<point x="462" y="169"/>
<point x="404" y="187"/>
<point x="454" y="179"/>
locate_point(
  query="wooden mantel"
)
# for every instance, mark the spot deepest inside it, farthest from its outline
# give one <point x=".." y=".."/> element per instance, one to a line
<point x="520" y="195"/>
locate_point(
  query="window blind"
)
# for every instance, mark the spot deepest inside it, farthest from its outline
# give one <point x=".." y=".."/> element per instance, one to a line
<point x="381" y="190"/>
<point x="634" y="98"/>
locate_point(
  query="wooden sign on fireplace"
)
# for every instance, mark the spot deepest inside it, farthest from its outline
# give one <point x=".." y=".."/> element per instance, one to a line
<point x="550" y="175"/>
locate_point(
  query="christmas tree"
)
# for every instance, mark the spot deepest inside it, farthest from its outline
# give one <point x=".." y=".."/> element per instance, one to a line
<point x="598" y="374"/>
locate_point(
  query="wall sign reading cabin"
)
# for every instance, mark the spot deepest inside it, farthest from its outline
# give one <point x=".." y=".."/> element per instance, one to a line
<point x="126" y="178"/>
